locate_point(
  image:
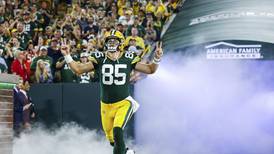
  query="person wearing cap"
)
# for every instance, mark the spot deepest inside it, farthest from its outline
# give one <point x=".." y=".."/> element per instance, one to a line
<point x="30" y="26"/>
<point x="84" y="77"/>
<point x="55" y="53"/>
<point x="43" y="56"/>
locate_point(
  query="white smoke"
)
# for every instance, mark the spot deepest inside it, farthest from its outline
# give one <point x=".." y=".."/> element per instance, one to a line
<point x="69" y="139"/>
<point x="195" y="106"/>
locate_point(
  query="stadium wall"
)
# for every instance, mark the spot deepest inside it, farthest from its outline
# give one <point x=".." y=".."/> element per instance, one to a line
<point x="7" y="82"/>
<point x="56" y="104"/>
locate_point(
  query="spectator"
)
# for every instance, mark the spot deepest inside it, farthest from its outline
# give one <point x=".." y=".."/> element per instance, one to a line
<point x="151" y="34"/>
<point x="42" y="74"/>
<point x="37" y="16"/>
<point x="158" y="25"/>
<point x="132" y="47"/>
<point x="113" y="12"/>
<point x="8" y="55"/>
<point x="4" y="37"/>
<point x="85" y="77"/>
<point x="18" y="66"/>
<point x="126" y="19"/>
<point x="43" y="56"/>
<point x="121" y="4"/>
<point x="136" y="24"/>
<point x="134" y="35"/>
<point x="45" y="12"/>
<point x="22" y="35"/>
<point x="30" y="27"/>
<point x="160" y="9"/>
<point x="67" y="76"/>
<point x="49" y="32"/>
<point x="149" y="19"/>
<point x="3" y="65"/>
<point x="91" y="30"/>
<point x="151" y="6"/>
<point x="120" y="28"/>
<point x="55" y="53"/>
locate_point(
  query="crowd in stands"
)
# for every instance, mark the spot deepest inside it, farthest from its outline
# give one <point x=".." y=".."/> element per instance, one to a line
<point x="31" y="32"/>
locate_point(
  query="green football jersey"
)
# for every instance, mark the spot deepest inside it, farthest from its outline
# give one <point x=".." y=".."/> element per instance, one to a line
<point x="24" y="39"/>
<point x="114" y="75"/>
<point x="30" y="28"/>
<point x="66" y="74"/>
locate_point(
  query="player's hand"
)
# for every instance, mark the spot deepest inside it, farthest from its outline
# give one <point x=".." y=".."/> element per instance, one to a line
<point x="159" y="50"/>
<point x="65" y="48"/>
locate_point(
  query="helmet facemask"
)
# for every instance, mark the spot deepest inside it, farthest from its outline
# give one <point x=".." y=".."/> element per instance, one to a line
<point x="112" y="45"/>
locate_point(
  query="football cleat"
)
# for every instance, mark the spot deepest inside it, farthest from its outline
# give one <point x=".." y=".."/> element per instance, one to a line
<point x="130" y="151"/>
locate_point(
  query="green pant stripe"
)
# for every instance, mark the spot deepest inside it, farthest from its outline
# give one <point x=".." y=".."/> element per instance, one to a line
<point x="128" y="116"/>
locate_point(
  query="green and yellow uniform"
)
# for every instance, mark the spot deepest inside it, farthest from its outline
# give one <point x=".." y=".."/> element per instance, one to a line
<point x="116" y="104"/>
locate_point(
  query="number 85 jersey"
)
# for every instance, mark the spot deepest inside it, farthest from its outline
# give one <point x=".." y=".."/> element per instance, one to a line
<point x="114" y="76"/>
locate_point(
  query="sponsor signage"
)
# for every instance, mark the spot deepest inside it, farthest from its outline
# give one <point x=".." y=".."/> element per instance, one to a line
<point x="224" y="50"/>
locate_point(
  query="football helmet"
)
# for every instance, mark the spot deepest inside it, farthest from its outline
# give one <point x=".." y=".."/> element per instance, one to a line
<point x="113" y="41"/>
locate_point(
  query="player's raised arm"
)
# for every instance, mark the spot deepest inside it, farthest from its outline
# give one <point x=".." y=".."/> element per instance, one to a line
<point x="75" y="67"/>
<point x="152" y="67"/>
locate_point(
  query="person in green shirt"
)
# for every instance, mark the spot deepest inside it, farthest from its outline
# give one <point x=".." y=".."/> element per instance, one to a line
<point x="87" y="76"/>
<point x="67" y="76"/>
<point x="114" y="66"/>
<point x="30" y="26"/>
<point x="44" y="56"/>
<point x="22" y="35"/>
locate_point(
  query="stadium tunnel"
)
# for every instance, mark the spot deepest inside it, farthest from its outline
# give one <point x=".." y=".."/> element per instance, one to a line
<point x="207" y="22"/>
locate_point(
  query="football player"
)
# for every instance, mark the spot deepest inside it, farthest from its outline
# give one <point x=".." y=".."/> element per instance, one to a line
<point x="114" y="67"/>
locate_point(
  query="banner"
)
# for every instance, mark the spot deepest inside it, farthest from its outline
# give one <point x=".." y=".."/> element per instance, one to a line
<point x="224" y="50"/>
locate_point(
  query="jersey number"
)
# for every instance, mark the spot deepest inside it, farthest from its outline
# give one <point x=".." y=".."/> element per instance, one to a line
<point x="111" y="72"/>
<point x="27" y="27"/>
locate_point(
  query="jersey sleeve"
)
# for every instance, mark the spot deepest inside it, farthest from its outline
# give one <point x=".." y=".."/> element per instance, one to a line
<point x="96" y="58"/>
<point x="135" y="60"/>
